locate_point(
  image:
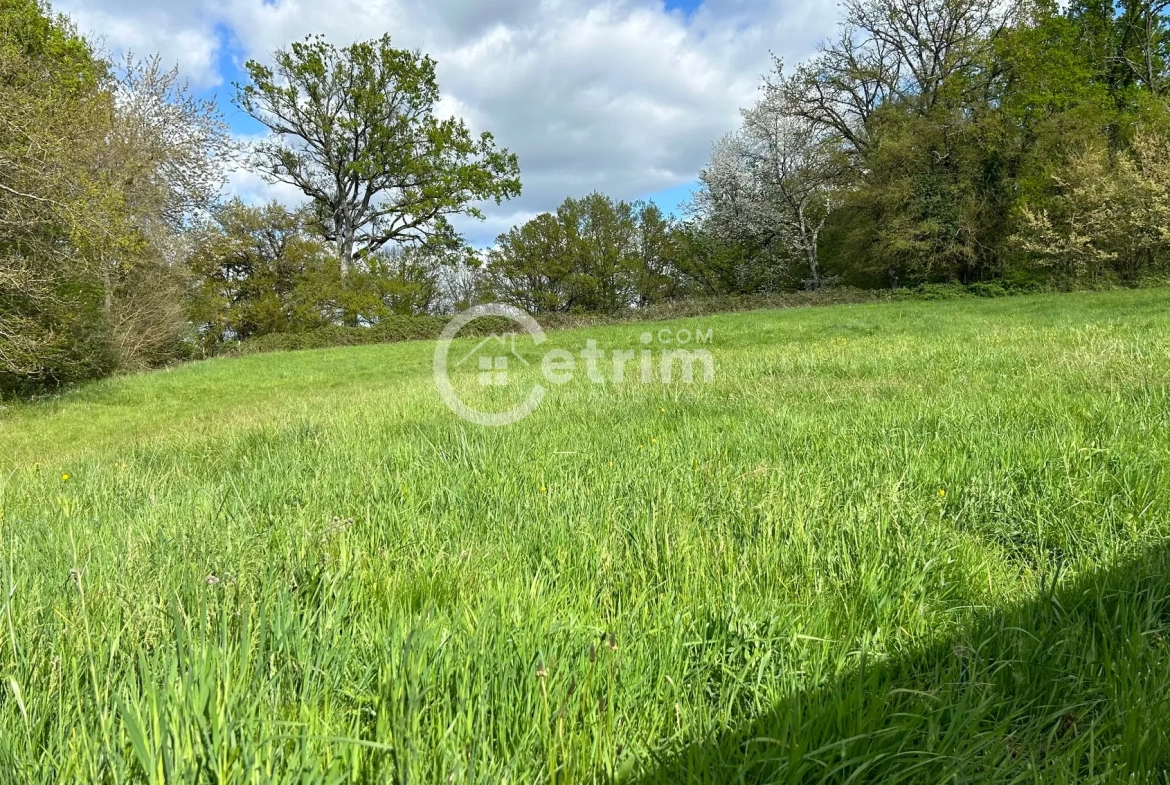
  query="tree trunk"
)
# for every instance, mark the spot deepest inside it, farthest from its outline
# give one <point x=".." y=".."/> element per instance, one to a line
<point x="345" y="251"/>
<point x="808" y="238"/>
<point x="811" y="250"/>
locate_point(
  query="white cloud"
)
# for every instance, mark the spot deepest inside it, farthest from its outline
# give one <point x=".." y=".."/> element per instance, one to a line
<point x="255" y="189"/>
<point x="619" y="96"/>
<point x="184" y="32"/>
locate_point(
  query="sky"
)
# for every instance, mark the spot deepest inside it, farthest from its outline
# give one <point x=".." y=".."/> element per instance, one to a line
<point x="625" y="97"/>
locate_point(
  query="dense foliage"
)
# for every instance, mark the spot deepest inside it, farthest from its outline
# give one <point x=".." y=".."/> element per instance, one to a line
<point x="100" y="168"/>
<point x="957" y="119"/>
<point x="592" y="255"/>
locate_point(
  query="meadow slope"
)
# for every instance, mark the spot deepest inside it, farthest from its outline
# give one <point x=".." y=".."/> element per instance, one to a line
<point x="902" y="542"/>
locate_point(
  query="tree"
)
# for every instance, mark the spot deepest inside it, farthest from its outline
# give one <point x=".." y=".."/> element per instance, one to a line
<point x="710" y="264"/>
<point x="604" y="253"/>
<point x="734" y="232"/>
<point x="912" y="52"/>
<point x="55" y="213"/>
<point x="1145" y="42"/>
<point x="592" y="255"/>
<point x="461" y="285"/>
<point x="1111" y="215"/>
<point x="531" y="266"/>
<point x="657" y="277"/>
<point x="404" y="281"/>
<point x="776" y="181"/>
<point x="170" y="148"/>
<point x="258" y="270"/>
<point x="355" y="130"/>
<point x="166" y="155"/>
<point x="1127" y="42"/>
<point x="99" y="173"/>
<point x="908" y="87"/>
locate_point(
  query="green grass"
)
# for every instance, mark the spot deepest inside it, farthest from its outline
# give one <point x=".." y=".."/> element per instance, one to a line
<point x="303" y="568"/>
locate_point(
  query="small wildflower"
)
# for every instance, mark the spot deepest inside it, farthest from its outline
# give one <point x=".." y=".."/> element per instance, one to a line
<point x="654" y="441"/>
<point x="64" y="478"/>
<point x="663" y="410"/>
<point x="212" y="580"/>
<point x="541" y="672"/>
<point x="544" y="489"/>
<point x="942" y="493"/>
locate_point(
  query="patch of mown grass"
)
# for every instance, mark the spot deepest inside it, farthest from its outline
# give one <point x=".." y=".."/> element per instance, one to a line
<point x="910" y="541"/>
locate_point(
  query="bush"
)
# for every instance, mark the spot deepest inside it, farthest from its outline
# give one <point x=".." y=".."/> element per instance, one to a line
<point x="428" y="328"/>
<point x="940" y="291"/>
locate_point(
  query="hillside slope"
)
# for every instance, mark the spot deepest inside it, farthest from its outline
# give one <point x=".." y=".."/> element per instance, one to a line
<point x="914" y="541"/>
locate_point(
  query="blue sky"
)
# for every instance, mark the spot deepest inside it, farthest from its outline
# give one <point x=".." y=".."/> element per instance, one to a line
<point x="620" y="96"/>
<point x="686" y="6"/>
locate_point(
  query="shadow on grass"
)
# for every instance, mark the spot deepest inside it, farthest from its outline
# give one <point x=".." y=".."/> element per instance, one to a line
<point x="1071" y="687"/>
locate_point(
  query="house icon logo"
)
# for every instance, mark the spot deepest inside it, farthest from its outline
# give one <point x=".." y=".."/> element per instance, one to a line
<point x="495" y="353"/>
<point x="492" y="358"/>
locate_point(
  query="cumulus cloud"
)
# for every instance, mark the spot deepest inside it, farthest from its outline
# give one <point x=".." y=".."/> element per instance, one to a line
<point x="186" y="33"/>
<point x="622" y="96"/>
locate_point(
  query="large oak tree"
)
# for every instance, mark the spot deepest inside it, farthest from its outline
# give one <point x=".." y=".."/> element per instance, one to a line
<point x="355" y="129"/>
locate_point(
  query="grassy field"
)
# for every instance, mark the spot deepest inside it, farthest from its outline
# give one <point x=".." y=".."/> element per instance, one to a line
<point x="916" y="542"/>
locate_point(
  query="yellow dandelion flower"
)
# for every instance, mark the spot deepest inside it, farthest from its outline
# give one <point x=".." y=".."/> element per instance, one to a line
<point x="662" y="410"/>
<point x="654" y="441"/>
<point x="942" y="493"/>
<point x="544" y="489"/>
<point x="64" y="478"/>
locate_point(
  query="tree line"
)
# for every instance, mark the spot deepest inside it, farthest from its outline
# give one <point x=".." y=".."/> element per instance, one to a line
<point x="928" y="141"/>
<point x="101" y="166"/>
